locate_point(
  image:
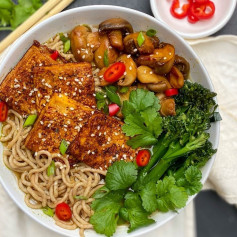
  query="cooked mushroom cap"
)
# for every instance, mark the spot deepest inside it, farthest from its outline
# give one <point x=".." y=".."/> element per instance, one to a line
<point x="115" y="24"/>
<point x="183" y="65"/>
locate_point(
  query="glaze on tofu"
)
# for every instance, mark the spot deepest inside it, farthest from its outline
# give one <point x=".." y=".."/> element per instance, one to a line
<point x="62" y="118"/>
<point x="101" y="142"/>
<point x="17" y="89"/>
<point x="72" y="79"/>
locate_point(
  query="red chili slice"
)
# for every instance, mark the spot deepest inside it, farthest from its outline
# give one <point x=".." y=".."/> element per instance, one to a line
<point x="171" y="92"/>
<point x="143" y="157"/>
<point x="3" y="111"/>
<point x="175" y="6"/>
<point x="54" y="55"/>
<point x="113" y="109"/>
<point x="114" y="72"/>
<point x="63" y="211"/>
<point x="202" y="11"/>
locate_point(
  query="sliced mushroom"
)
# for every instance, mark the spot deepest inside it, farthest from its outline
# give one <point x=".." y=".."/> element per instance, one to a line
<point x="131" y="45"/>
<point x="116" y="39"/>
<point x="79" y="47"/>
<point x="146" y="75"/>
<point x="161" y="60"/>
<point x="93" y="41"/>
<point x="115" y="24"/>
<point x="183" y="65"/>
<point x="103" y="82"/>
<point x="159" y="86"/>
<point x="131" y="71"/>
<point x="167" y="107"/>
<point x="100" y="52"/>
<point x="176" y="78"/>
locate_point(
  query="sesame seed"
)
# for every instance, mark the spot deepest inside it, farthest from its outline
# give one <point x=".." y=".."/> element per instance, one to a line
<point x="60" y="96"/>
<point x="99" y="57"/>
<point x="74" y="93"/>
<point x="109" y="139"/>
<point x="15" y="80"/>
<point x="98" y="128"/>
<point x="125" y="73"/>
<point x="60" y="78"/>
<point x="93" y="106"/>
<point x="65" y="129"/>
<point x="65" y="125"/>
<point x="135" y="50"/>
<point x="80" y="83"/>
<point x="68" y="83"/>
<point x="105" y="96"/>
<point x="43" y="139"/>
<point x="15" y="103"/>
<point x="88" y="152"/>
<point x="71" y="108"/>
<point x="16" y="86"/>
<point x="151" y="72"/>
<point x="93" y="153"/>
<point x="92" y="135"/>
<point x="78" y="51"/>
<point x="99" y="134"/>
<point x="128" y="56"/>
<point x="80" y="119"/>
<point x="92" y="112"/>
<point x="76" y="79"/>
<point x="165" y="58"/>
<point x="41" y="122"/>
<point x="79" y="90"/>
<point x="32" y="101"/>
<point x="41" y="64"/>
<point x="130" y="68"/>
<point x="94" y="94"/>
<point x="84" y="56"/>
<point x="92" y="46"/>
<point x="123" y="146"/>
<point x="104" y="133"/>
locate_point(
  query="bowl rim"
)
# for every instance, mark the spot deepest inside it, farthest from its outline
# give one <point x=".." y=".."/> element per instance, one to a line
<point x="203" y="34"/>
<point x="20" y="40"/>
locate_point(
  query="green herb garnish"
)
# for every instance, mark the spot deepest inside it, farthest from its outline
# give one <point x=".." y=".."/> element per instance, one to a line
<point x="106" y="58"/>
<point x="12" y="15"/>
<point x="151" y="32"/>
<point x="66" y="46"/>
<point x="63" y="147"/>
<point x="112" y="95"/>
<point x="30" y="120"/>
<point x="48" y="211"/>
<point x="142" y="120"/>
<point x="51" y="169"/>
<point x="140" y="39"/>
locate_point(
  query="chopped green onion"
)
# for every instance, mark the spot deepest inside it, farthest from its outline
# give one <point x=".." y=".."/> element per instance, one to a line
<point x="101" y="104"/>
<point x="30" y="120"/>
<point x="151" y="32"/>
<point x="63" y="147"/>
<point x="123" y="89"/>
<point x="106" y="58"/>
<point x="80" y="197"/>
<point x="140" y="39"/>
<point x="88" y="27"/>
<point x="66" y="46"/>
<point x="51" y="169"/>
<point x="63" y="37"/>
<point x="112" y="95"/>
<point x="48" y="211"/>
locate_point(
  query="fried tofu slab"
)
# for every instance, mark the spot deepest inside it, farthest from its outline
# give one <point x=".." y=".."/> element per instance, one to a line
<point x="72" y="79"/>
<point x="101" y="142"/>
<point x="17" y="89"/>
<point x="62" y="118"/>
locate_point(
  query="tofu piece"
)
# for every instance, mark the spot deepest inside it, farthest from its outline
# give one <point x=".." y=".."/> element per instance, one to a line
<point x="75" y="80"/>
<point x="62" y="118"/>
<point x="101" y="142"/>
<point x="17" y="89"/>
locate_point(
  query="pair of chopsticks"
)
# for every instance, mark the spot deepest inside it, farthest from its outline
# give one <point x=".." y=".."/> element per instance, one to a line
<point x="50" y="8"/>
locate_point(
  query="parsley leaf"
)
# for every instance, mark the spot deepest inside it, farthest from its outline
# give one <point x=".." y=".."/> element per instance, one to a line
<point x="121" y="175"/>
<point x="170" y="196"/>
<point x="191" y="180"/>
<point x="142" y="119"/>
<point x="148" y="196"/>
<point x="106" y="212"/>
<point x="136" y="214"/>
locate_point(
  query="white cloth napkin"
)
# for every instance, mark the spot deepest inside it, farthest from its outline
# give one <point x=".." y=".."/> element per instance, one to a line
<point x="219" y="56"/>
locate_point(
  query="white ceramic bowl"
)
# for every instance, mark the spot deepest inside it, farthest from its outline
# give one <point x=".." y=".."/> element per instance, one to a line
<point x="93" y="15"/>
<point x="224" y="11"/>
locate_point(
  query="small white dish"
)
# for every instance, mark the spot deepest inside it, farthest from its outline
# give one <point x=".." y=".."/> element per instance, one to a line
<point x="64" y="22"/>
<point x="224" y="11"/>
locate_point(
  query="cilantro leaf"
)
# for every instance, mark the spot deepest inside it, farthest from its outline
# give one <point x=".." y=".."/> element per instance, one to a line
<point x="101" y="192"/>
<point x="106" y="212"/>
<point x="191" y="180"/>
<point x="136" y="214"/>
<point x="170" y="196"/>
<point x="121" y="175"/>
<point x="142" y="119"/>
<point x="148" y="196"/>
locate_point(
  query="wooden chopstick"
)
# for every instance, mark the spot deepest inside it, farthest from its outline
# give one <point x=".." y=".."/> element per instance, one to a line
<point x="43" y="12"/>
<point x="62" y="5"/>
